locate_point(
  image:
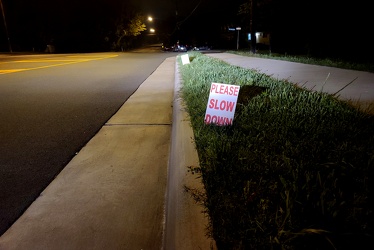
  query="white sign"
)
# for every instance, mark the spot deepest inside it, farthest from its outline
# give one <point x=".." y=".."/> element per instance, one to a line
<point x="221" y="105"/>
<point x="185" y="59"/>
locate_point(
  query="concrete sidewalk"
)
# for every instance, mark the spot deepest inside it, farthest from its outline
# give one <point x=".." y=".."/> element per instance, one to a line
<point x="357" y="87"/>
<point x="125" y="188"/>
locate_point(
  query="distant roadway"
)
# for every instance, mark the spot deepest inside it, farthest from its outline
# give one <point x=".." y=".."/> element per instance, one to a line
<point x="51" y="105"/>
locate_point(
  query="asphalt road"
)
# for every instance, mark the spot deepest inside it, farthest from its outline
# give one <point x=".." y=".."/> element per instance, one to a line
<point x="50" y="107"/>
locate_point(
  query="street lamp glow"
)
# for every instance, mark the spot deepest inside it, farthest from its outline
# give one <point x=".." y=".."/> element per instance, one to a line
<point x="150" y="18"/>
<point x="152" y="30"/>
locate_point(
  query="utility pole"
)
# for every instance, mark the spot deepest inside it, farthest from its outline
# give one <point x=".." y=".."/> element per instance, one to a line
<point x="176" y="21"/>
<point x="5" y="25"/>
<point x="253" y="25"/>
<point x="6" y="28"/>
<point x="237" y="38"/>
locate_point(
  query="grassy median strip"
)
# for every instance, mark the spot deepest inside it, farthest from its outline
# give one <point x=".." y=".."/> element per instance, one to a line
<point x="294" y="171"/>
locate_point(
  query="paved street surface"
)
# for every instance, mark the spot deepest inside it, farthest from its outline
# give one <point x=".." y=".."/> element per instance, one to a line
<point x="51" y="106"/>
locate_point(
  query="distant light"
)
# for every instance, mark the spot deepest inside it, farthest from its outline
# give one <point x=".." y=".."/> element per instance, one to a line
<point x="152" y="30"/>
<point x="258" y="34"/>
<point x="150" y="18"/>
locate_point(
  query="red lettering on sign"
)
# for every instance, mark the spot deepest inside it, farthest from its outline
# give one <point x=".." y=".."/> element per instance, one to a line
<point x="218" y="120"/>
<point x="230" y="106"/>
<point x="225" y="89"/>
<point x="213" y="87"/>
<point x="223" y="105"/>
<point x="211" y="103"/>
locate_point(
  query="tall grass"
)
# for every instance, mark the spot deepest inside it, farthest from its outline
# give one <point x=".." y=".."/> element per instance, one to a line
<point x="294" y="171"/>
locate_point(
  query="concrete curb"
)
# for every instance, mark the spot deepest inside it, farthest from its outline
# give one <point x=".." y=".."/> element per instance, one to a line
<point x="186" y="221"/>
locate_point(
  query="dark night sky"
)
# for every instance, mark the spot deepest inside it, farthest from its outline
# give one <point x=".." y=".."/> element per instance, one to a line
<point x="20" y="11"/>
<point x="42" y="19"/>
<point x="331" y="22"/>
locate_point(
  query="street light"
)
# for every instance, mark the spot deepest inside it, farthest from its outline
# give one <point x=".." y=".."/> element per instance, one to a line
<point x="150" y="19"/>
<point x="156" y="27"/>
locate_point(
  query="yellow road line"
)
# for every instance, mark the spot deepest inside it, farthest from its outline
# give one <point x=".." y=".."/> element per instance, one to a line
<point x="7" y="71"/>
<point x="45" y="60"/>
<point x="65" y="62"/>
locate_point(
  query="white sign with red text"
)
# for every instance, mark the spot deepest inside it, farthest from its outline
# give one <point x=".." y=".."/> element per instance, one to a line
<point x="185" y="59"/>
<point x="221" y="105"/>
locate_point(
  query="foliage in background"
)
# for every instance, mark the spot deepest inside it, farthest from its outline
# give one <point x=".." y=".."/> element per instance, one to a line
<point x="127" y="28"/>
<point x="294" y="171"/>
<point x="319" y="29"/>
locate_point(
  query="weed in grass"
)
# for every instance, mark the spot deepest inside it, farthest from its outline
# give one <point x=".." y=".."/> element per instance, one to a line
<point x="246" y="93"/>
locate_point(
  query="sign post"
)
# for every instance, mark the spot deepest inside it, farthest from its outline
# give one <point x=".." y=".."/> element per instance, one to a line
<point x="237" y="39"/>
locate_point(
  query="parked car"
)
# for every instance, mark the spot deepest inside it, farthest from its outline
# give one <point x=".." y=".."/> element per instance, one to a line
<point x="179" y="48"/>
<point x="166" y="47"/>
<point x="205" y="47"/>
<point x="174" y="47"/>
